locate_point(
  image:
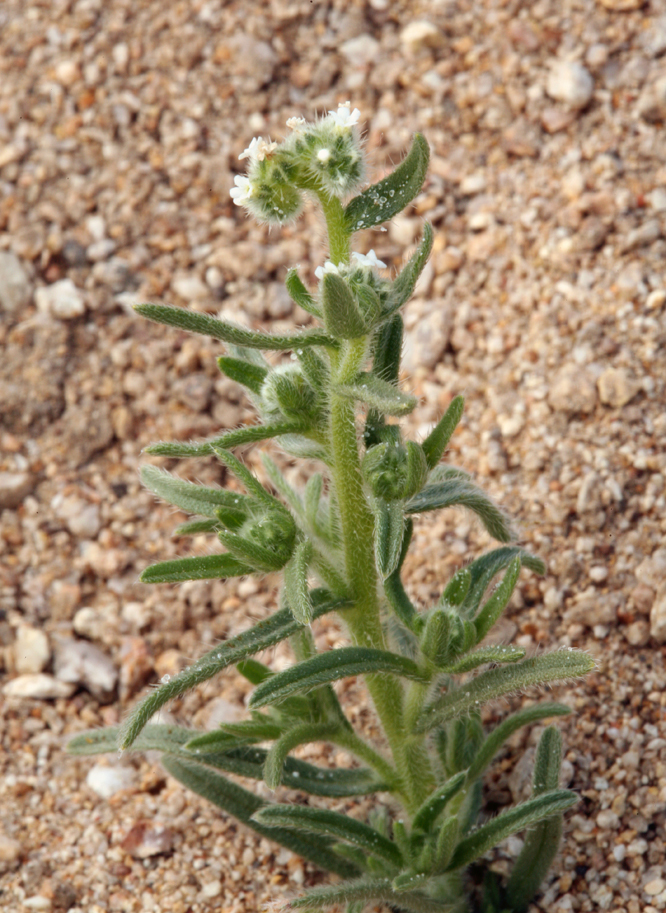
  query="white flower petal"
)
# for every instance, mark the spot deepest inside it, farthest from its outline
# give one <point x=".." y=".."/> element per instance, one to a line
<point x="369" y="260"/>
<point x="295" y="122"/>
<point x="344" y="118"/>
<point x="242" y="191"/>
<point x="258" y="149"/>
<point x="328" y="267"/>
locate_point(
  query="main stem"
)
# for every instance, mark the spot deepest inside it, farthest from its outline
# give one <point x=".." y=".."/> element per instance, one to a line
<point x="358" y="526"/>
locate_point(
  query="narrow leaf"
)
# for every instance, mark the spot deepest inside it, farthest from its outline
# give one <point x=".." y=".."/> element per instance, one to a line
<point x="265" y="634"/>
<point x="417" y="469"/>
<point x="482" y="656"/>
<point x="283" y="488"/>
<point x="404" y="285"/>
<point x="395" y="591"/>
<point x="408" y="881"/>
<point x="461" y="493"/>
<point x="492" y="610"/>
<point x="248" y="434"/>
<point x="299" y="293"/>
<point x="312" y="497"/>
<point x="457" y="588"/>
<point x="509" y="822"/>
<point x="438" y="439"/>
<point x="252" y="485"/>
<point x="391" y="195"/>
<point x="196" y="527"/>
<point x="483" y="570"/>
<point x="153" y="738"/>
<point x="298" y="735"/>
<point x="342" y="316"/>
<point x="242" y="804"/>
<point x="330" y="667"/>
<point x="246" y="732"/>
<point x="447" y="840"/>
<point x="249" y="375"/>
<point x="256" y="556"/>
<point x="195" y="499"/>
<point x="389" y="531"/>
<point x="204" y="567"/>
<point x="435" y="804"/>
<point x="506" y="729"/>
<point x="539" y="670"/>
<point x="195" y="322"/>
<point x="365" y="890"/>
<point x="296" y="582"/>
<point x="380" y="395"/>
<point x="387" y="352"/>
<point x="542" y="842"/>
<point x="331" y="824"/>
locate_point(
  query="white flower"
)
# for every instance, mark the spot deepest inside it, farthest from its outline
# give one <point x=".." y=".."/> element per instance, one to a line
<point x="328" y="267"/>
<point x="242" y="192"/>
<point x="295" y="122"/>
<point x="370" y="260"/>
<point x="324" y="155"/>
<point x="344" y="118"/>
<point x="258" y="149"/>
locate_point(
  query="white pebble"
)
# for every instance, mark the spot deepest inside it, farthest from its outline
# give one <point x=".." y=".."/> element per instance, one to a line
<point x="107" y="781"/>
<point x="570" y="83"/>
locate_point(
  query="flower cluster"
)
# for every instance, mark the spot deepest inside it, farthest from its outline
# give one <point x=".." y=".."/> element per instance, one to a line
<point x="324" y="157"/>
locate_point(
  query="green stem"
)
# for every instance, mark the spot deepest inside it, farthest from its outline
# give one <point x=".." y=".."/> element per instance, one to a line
<point x="336" y="225"/>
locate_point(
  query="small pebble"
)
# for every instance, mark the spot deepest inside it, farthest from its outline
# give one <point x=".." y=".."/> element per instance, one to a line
<point x="61" y="300"/>
<point x="14" y="283"/>
<point x="421" y="35"/>
<point x="31" y="650"/>
<point x="14" y="487"/>
<point x="616" y="387"/>
<point x="106" y="781"/>
<point x="38" y="686"/>
<point x="658" y="619"/>
<point x="569" y="82"/>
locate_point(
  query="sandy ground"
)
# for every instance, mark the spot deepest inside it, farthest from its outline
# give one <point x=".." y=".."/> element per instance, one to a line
<point x="545" y="304"/>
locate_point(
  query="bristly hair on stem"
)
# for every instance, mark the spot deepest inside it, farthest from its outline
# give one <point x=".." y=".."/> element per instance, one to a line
<point x="340" y="545"/>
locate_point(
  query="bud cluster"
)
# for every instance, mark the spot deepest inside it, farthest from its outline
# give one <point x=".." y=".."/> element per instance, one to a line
<point x="323" y="157"/>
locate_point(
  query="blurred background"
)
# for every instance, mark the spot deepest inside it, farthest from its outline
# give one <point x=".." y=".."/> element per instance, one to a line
<point x="544" y="304"/>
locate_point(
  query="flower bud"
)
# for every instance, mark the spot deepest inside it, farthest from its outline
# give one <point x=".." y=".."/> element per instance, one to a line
<point x="395" y="471"/>
<point x="287" y="394"/>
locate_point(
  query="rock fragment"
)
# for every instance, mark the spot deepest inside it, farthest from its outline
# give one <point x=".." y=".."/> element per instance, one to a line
<point x="145" y="840"/>
<point x="617" y="387"/>
<point x="570" y="83"/>
<point x="658" y="618"/>
<point x="651" y="104"/>
<point x="31" y="650"/>
<point x="573" y="390"/>
<point x="81" y="663"/>
<point x="39" y="686"/>
<point x="421" y="35"/>
<point x="61" y="300"/>
<point x="106" y="781"/>
<point x="14" y="487"/>
<point x="14" y="284"/>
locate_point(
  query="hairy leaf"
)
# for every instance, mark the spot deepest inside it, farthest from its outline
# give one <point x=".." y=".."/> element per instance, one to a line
<point x="492" y="654"/>
<point x="461" y="493"/>
<point x="509" y="822"/>
<point x="391" y="195"/>
<point x="492" y="610"/>
<point x="368" y="889"/>
<point x="331" y="666"/>
<point x="300" y="294"/>
<point x="539" y="670"/>
<point x="298" y="735"/>
<point x="242" y="804"/>
<point x="395" y="591"/>
<point x="404" y="285"/>
<point x="378" y="394"/>
<point x="204" y="567"/>
<point x="263" y="635"/>
<point x="195" y="322"/>
<point x="342" y="316"/>
<point x="296" y="582"/>
<point x="196" y="527"/>
<point x="248" y="434"/>
<point x="506" y="729"/>
<point x="389" y="530"/>
<point x="483" y="570"/>
<point x="438" y="439"/>
<point x="331" y="824"/>
<point x="435" y="804"/>
<point x="249" y="375"/>
<point x="188" y="496"/>
<point x="153" y="738"/>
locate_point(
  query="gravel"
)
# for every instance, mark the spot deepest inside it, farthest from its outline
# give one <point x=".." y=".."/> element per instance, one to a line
<point x="545" y="305"/>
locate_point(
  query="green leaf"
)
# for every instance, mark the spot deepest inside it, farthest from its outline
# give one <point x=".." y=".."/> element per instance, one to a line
<point x="482" y="656"/>
<point x="506" y="729"/>
<point x="378" y="394"/>
<point x="387" y="351"/>
<point x="395" y="591"/>
<point x="457" y="588"/>
<point x="461" y="493"/>
<point x="542" y="842"/>
<point x="391" y="195"/>
<point x="438" y="439"/>
<point x="153" y="738"/>
<point x="389" y="532"/>
<point x="539" y="670"/>
<point x="369" y="889"/>
<point x="252" y="486"/>
<point x="256" y="556"/>
<point x="331" y="824"/>
<point x="195" y="527"/>
<point x="436" y="637"/>
<point x="492" y="610"/>
<point x="330" y="667"/>
<point x="195" y="499"/>
<point x="483" y="570"/>
<point x="296" y="582"/>
<point x="315" y="370"/>
<point x="244" y="373"/>
<point x="248" y="434"/>
<point x="312" y="498"/>
<point x="195" y="322"/>
<point x="417" y="469"/>
<point x="403" y="287"/>
<point x="300" y="294"/>
<point x="408" y="881"/>
<point x="509" y="822"/>
<point x="204" y="567"/>
<point x="243" y="804"/>
<point x="298" y="735"/>
<point x="283" y="488"/>
<point x="265" y="634"/>
<point x="342" y="316"/>
<point x="434" y="805"/>
<point x="234" y="734"/>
